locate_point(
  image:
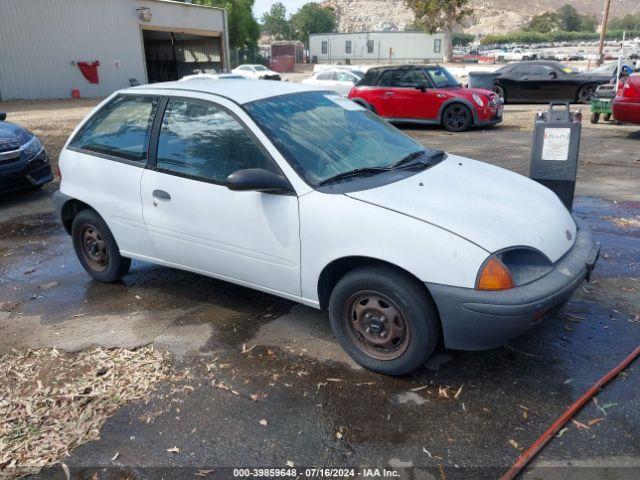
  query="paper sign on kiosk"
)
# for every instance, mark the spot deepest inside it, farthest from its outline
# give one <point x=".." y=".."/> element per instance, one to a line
<point x="555" y="144"/>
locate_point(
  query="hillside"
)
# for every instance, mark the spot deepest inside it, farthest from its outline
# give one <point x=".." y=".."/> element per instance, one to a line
<point x="490" y="16"/>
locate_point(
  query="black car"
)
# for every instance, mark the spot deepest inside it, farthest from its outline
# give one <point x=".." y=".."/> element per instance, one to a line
<point x="24" y="162"/>
<point x="544" y="81"/>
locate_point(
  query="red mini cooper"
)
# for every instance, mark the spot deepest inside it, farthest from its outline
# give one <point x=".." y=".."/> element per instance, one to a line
<point x="426" y="94"/>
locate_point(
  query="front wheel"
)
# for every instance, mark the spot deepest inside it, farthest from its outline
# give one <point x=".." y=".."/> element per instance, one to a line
<point x="595" y="116"/>
<point x="384" y="320"/>
<point x="585" y="94"/>
<point x="96" y="248"/>
<point x="499" y="90"/>
<point x="457" y="118"/>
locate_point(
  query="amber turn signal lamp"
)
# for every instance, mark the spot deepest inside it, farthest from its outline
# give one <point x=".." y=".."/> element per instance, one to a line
<point x="495" y="276"/>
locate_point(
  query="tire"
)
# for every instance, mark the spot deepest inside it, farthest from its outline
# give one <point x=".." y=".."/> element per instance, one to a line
<point x="96" y="248"/>
<point x="499" y="90"/>
<point x="457" y="117"/>
<point x="586" y="92"/>
<point x="595" y="116"/>
<point x="607" y="117"/>
<point x="365" y="299"/>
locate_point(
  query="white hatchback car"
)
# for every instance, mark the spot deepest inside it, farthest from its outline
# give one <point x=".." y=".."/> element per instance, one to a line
<point x="303" y="194"/>
<point x="338" y="80"/>
<point x="256" y="72"/>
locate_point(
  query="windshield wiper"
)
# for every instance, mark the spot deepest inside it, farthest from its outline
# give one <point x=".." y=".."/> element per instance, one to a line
<point x="410" y="160"/>
<point x="358" y="172"/>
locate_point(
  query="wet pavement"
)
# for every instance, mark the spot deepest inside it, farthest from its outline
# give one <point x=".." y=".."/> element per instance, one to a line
<point x="260" y="381"/>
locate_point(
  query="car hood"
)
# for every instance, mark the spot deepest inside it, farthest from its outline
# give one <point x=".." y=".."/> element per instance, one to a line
<point x="487" y="205"/>
<point x="12" y="136"/>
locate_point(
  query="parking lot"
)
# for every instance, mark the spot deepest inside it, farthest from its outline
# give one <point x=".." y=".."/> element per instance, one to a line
<point x="259" y="381"/>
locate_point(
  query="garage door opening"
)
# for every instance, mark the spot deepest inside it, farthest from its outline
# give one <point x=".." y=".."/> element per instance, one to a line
<point x="171" y="56"/>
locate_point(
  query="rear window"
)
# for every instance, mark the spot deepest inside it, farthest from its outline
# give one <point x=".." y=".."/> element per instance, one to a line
<point x="120" y="129"/>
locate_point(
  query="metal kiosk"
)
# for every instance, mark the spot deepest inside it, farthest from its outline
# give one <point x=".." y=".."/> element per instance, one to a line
<point x="556" y="145"/>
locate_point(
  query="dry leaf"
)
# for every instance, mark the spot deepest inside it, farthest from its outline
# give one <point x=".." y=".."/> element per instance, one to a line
<point x="115" y="456"/>
<point x="514" y="444"/>
<point x="580" y="425"/>
<point x="263" y="422"/>
<point x="173" y="450"/>
<point x="595" y="421"/>
<point x="458" y="392"/>
<point x="289" y="463"/>
<point x="203" y="473"/>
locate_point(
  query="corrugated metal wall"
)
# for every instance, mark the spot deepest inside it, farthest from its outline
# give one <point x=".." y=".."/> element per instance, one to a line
<point x="388" y="47"/>
<point x="39" y="40"/>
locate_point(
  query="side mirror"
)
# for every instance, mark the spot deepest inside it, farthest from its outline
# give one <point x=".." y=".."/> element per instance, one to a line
<point x="3" y="116"/>
<point x="258" y="180"/>
<point x="553" y="74"/>
<point x="422" y="87"/>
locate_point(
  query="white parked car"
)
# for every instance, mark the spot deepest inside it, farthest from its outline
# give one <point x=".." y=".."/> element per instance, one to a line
<point x="304" y="194"/>
<point x="212" y="76"/>
<point x="256" y="72"/>
<point x="338" y="80"/>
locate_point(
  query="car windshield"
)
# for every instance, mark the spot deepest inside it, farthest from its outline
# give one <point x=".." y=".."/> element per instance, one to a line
<point x="566" y="68"/>
<point x="441" y="77"/>
<point x="324" y="135"/>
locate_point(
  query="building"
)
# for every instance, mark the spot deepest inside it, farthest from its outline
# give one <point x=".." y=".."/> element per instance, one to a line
<point x="56" y="48"/>
<point x="376" y="47"/>
<point x="285" y="54"/>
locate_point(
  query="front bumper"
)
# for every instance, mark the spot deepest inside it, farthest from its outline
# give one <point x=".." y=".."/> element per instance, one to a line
<point x="489" y="116"/>
<point x="19" y="173"/>
<point x="478" y="320"/>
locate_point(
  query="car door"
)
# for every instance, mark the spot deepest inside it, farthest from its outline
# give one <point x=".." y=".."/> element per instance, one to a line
<point x="344" y="82"/>
<point x="195" y="222"/>
<point x="326" y="79"/>
<point x="399" y="95"/>
<point x="103" y="166"/>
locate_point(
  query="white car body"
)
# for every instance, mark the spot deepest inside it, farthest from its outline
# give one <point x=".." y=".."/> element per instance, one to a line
<point x="338" y="80"/>
<point x="439" y="225"/>
<point x="212" y="76"/>
<point x="255" y="72"/>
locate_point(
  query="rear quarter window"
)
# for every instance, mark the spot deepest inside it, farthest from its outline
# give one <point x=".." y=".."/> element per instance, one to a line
<point x="120" y="129"/>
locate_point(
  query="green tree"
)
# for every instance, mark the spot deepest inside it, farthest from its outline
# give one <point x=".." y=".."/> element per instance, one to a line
<point x="275" y="22"/>
<point x="570" y="19"/>
<point x="544" y="23"/>
<point x="434" y="15"/>
<point x="243" y="28"/>
<point x="588" y="24"/>
<point x="312" y="18"/>
<point x="630" y="21"/>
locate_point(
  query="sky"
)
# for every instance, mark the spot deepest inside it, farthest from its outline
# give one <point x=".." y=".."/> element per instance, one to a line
<point x="262" y="6"/>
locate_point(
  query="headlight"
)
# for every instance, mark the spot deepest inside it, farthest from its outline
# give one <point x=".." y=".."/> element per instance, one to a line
<point x="32" y="147"/>
<point x="478" y="99"/>
<point x="512" y="268"/>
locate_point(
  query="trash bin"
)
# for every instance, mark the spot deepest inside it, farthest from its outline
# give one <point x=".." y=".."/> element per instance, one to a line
<point x="556" y="145"/>
<point x="484" y="80"/>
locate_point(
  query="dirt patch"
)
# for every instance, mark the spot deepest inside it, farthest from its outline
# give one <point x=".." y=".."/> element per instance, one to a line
<point x="51" y="402"/>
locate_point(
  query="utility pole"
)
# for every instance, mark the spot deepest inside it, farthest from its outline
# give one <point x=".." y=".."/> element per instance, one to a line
<point x="603" y="31"/>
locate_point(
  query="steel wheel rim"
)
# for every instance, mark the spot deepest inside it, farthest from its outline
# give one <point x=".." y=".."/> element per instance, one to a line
<point x="457" y="117"/>
<point x="94" y="248"/>
<point x="376" y="325"/>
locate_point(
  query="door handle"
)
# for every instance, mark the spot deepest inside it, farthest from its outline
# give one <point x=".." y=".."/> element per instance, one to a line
<point x="160" y="195"/>
<point x="389" y="93"/>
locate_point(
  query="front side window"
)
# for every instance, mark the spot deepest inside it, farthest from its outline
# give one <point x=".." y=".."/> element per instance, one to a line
<point x="120" y="129"/>
<point x="347" y="46"/>
<point x="202" y="141"/>
<point x="437" y="45"/>
<point x="402" y="78"/>
<point x="441" y="78"/>
<point x="323" y="135"/>
<point x="369" y="46"/>
<point x="324" y="48"/>
<point x="326" y="76"/>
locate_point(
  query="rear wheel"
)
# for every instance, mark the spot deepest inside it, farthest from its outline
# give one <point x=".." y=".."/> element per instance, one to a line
<point x="457" y="118"/>
<point x="607" y="117"/>
<point x="585" y="94"/>
<point x="96" y="248"/>
<point x="384" y="320"/>
<point x="499" y="91"/>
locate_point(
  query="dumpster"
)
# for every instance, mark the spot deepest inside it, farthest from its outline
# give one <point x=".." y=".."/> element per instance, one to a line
<point x="484" y="80"/>
<point x="556" y="146"/>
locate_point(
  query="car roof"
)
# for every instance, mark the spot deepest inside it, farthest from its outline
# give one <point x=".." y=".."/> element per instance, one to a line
<point x="400" y="67"/>
<point x="239" y="91"/>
